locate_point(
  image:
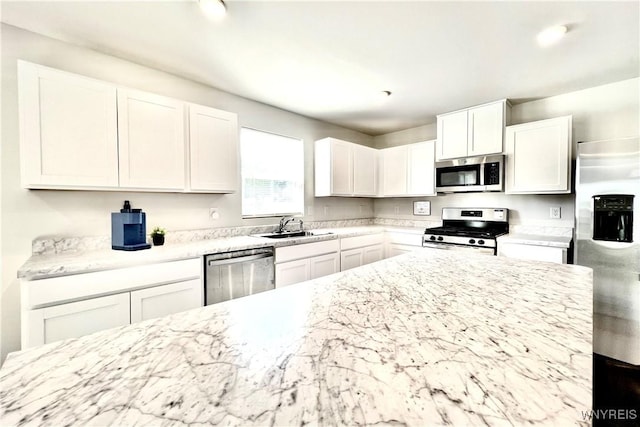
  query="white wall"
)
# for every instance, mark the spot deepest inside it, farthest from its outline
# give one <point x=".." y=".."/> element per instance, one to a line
<point x="603" y="112"/>
<point x="27" y="215"/>
<point x="407" y="136"/>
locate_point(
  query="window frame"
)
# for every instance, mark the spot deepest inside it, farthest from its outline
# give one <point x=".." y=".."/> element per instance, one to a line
<point x="278" y="214"/>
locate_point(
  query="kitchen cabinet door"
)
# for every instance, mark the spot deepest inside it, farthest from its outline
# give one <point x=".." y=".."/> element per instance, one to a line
<point x="75" y="319"/>
<point x="341" y="168"/>
<point x="365" y="165"/>
<point x="372" y="254"/>
<point x="68" y="129"/>
<point x="421" y="172"/>
<point x="213" y="150"/>
<point x="324" y="265"/>
<point x="475" y="131"/>
<point x="538" y="157"/>
<point x="452" y="132"/>
<point x="151" y="141"/>
<point x="351" y="259"/>
<point x="486" y="129"/>
<point x="288" y="273"/>
<point x="395" y="171"/>
<point x="166" y="299"/>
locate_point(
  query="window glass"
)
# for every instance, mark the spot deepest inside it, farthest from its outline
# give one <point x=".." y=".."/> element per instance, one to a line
<point x="272" y="168"/>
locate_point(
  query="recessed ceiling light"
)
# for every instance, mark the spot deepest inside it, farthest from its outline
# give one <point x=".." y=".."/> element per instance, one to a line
<point x="551" y="35"/>
<point x="213" y="9"/>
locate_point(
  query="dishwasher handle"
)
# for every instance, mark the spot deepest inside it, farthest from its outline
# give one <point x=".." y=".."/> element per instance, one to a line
<point x="212" y="262"/>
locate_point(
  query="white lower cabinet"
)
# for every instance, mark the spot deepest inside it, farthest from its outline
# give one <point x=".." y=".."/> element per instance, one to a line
<point x="324" y="265"/>
<point x="361" y="250"/>
<point x="292" y="272"/>
<point x="401" y="242"/>
<point x="166" y="299"/>
<point x="297" y="263"/>
<point x="75" y="319"/>
<point x="533" y="252"/>
<point x="351" y="259"/>
<point x="394" y="249"/>
<point x="72" y="306"/>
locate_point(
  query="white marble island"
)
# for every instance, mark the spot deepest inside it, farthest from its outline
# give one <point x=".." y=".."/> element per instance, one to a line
<point x="428" y="338"/>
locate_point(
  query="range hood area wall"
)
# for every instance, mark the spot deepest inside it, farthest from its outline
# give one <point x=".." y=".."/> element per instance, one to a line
<point x="600" y="113"/>
<point x="530" y="210"/>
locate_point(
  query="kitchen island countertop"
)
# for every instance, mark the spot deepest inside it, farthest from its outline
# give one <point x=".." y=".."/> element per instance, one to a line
<point x="427" y="338"/>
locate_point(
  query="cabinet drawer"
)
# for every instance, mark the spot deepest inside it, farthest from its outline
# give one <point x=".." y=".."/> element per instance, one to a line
<point x="307" y="250"/>
<point x="74" y="319"/>
<point x="46" y="292"/>
<point x="361" y="241"/>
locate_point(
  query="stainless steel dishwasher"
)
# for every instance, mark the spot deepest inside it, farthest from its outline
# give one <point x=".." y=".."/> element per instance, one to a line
<point x="230" y="275"/>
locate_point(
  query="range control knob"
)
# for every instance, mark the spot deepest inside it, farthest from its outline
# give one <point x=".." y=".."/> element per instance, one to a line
<point x="432" y="238"/>
<point x="472" y="241"/>
<point x="440" y="238"/>
<point x="481" y="242"/>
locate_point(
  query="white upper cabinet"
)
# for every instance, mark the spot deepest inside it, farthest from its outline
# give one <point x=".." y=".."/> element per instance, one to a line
<point x="452" y="135"/>
<point x="344" y="169"/>
<point x="395" y="170"/>
<point x="486" y="129"/>
<point x="79" y="133"/>
<point x="213" y="150"/>
<point x="68" y="129"/>
<point x="408" y="170"/>
<point x="476" y="131"/>
<point x="365" y="164"/>
<point x="538" y="157"/>
<point x="421" y="161"/>
<point x="151" y="141"/>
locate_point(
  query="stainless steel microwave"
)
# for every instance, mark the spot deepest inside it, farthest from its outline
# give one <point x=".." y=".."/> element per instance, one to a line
<point x="470" y="174"/>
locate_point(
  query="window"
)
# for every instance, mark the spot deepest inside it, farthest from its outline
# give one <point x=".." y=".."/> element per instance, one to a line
<point x="272" y="174"/>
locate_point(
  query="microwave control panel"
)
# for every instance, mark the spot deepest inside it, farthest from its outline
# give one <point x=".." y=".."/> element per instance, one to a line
<point x="492" y="173"/>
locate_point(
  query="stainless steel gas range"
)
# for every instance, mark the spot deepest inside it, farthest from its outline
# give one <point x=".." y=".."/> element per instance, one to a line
<point x="468" y="229"/>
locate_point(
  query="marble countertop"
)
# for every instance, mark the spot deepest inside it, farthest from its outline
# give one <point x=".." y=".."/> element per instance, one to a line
<point x="537" y="240"/>
<point x="427" y="338"/>
<point x="75" y="262"/>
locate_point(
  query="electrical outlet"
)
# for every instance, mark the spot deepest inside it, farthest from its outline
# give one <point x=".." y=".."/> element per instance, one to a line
<point x="361" y="208"/>
<point x="214" y="214"/>
<point x="554" y="212"/>
<point x="396" y="209"/>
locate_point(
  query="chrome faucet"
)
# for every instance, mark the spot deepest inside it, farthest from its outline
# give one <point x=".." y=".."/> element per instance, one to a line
<point x="283" y="223"/>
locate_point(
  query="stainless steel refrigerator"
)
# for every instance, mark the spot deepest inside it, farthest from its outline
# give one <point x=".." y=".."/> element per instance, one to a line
<point x="608" y="241"/>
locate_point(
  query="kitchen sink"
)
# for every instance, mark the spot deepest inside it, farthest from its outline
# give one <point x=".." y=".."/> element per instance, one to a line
<point x="288" y="234"/>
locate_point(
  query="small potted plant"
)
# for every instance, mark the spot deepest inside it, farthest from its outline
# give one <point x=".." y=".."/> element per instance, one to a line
<point x="157" y="235"/>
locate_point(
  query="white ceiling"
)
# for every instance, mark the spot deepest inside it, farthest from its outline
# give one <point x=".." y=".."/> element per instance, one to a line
<point x="331" y="59"/>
